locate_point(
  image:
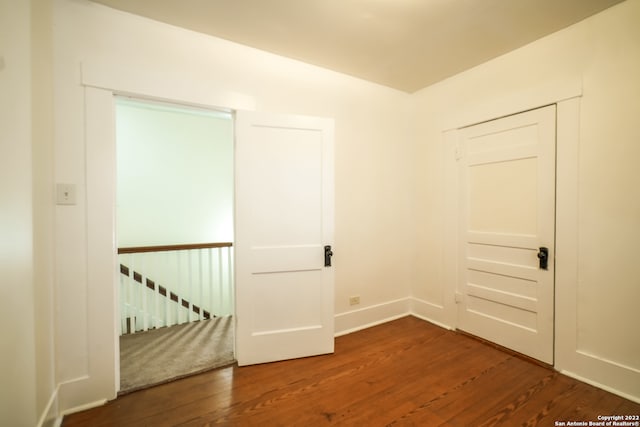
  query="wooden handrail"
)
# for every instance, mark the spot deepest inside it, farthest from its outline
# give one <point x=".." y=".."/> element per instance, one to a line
<point x="164" y="248"/>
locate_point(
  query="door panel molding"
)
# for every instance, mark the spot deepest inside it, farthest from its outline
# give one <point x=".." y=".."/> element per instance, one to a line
<point x="284" y="219"/>
<point x="504" y="201"/>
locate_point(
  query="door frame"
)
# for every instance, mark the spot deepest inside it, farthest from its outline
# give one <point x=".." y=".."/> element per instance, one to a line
<point x="566" y="97"/>
<point x="101" y="211"/>
<point x="101" y="83"/>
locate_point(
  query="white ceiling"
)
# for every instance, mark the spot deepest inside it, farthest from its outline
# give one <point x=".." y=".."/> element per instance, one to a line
<point x="403" y="44"/>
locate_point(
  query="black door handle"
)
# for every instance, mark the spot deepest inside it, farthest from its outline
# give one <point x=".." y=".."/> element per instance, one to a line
<point x="543" y="256"/>
<point x="328" y="253"/>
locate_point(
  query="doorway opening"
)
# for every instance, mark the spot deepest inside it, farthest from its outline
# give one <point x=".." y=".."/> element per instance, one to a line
<point x="175" y="233"/>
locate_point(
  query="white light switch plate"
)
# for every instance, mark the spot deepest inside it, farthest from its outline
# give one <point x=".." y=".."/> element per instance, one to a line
<point x="66" y="194"/>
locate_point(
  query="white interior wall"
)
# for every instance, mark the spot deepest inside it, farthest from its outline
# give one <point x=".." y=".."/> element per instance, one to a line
<point x="389" y="191"/>
<point x="17" y="342"/>
<point x="26" y="218"/>
<point x="602" y="56"/>
<point x="372" y="244"/>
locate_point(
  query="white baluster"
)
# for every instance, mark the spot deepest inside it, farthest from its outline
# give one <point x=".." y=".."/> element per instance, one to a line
<point x="167" y="298"/>
<point x="122" y="307"/>
<point x="190" y="284"/>
<point x="229" y="282"/>
<point x="211" y="284"/>
<point x="179" y="289"/>
<point x="143" y="293"/>
<point x="156" y="289"/>
<point x="220" y="284"/>
<point x="200" y="286"/>
<point x="133" y="292"/>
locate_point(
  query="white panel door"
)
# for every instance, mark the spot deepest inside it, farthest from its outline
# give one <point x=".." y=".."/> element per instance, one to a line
<point x="284" y="220"/>
<point x="507" y="199"/>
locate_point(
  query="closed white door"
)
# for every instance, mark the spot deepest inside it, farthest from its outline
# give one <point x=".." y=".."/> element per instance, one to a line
<point x="284" y="221"/>
<point x="507" y="200"/>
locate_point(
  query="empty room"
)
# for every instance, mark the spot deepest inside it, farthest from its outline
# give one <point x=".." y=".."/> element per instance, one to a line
<point x="433" y="219"/>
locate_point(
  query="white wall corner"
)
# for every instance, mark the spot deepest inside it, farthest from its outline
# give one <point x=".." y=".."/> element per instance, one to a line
<point x="430" y="312"/>
<point x="72" y="397"/>
<point x="72" y="394"/>
<point x="450" y="202"/>
<point x="355" y="320"/>
<point x="50" y="415"/>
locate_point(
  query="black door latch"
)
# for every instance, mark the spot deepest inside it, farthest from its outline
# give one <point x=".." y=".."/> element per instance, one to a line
<point x="327" y="256"/>
<point x="543" y="256"/>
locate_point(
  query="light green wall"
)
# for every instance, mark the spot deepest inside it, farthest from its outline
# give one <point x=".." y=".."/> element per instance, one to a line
<point x="175" y="175"/>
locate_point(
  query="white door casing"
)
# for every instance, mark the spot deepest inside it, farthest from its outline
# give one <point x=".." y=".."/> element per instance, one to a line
<point x="507" y="213"/>
<point x="283" y="219"/>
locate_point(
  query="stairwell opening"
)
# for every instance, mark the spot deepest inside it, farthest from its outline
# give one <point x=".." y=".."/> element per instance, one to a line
<point x="174" y="228"/>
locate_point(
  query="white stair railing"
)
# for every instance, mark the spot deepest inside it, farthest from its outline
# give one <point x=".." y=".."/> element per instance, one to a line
<point x="168" y="285"/>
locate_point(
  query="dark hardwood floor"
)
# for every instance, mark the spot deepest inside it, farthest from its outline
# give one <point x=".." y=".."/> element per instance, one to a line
<point x="403" y="373"/>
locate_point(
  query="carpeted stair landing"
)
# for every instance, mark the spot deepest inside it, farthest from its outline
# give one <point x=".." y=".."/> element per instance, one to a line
<point x="161" y="355"/>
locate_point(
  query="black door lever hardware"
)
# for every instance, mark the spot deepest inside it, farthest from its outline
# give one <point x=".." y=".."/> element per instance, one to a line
<point x="328" y="253"/>
<point x="543" y="256"/>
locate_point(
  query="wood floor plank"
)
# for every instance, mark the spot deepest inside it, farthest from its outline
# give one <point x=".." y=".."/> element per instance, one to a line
<point x="402" y="373"/>
<point x="541" y="408"/>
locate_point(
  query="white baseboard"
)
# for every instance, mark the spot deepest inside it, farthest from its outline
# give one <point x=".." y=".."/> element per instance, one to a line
<point x="52" y="416"/>
<point x="600" y="385"/>
<point x="432" y="313"/>
<point x="72" y="396"/>
<point x="84" y="407"/>
<point x="352" y="321"/>
<point x="606" y="374"/>
<point x="362" y="318"/>
<point x="435" y="322"/>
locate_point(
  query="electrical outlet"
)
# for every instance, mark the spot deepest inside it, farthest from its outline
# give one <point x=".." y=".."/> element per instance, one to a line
<point x="354" y="300"/>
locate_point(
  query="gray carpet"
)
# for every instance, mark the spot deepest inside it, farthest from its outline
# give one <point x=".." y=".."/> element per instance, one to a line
<point x="161" y="355"/>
